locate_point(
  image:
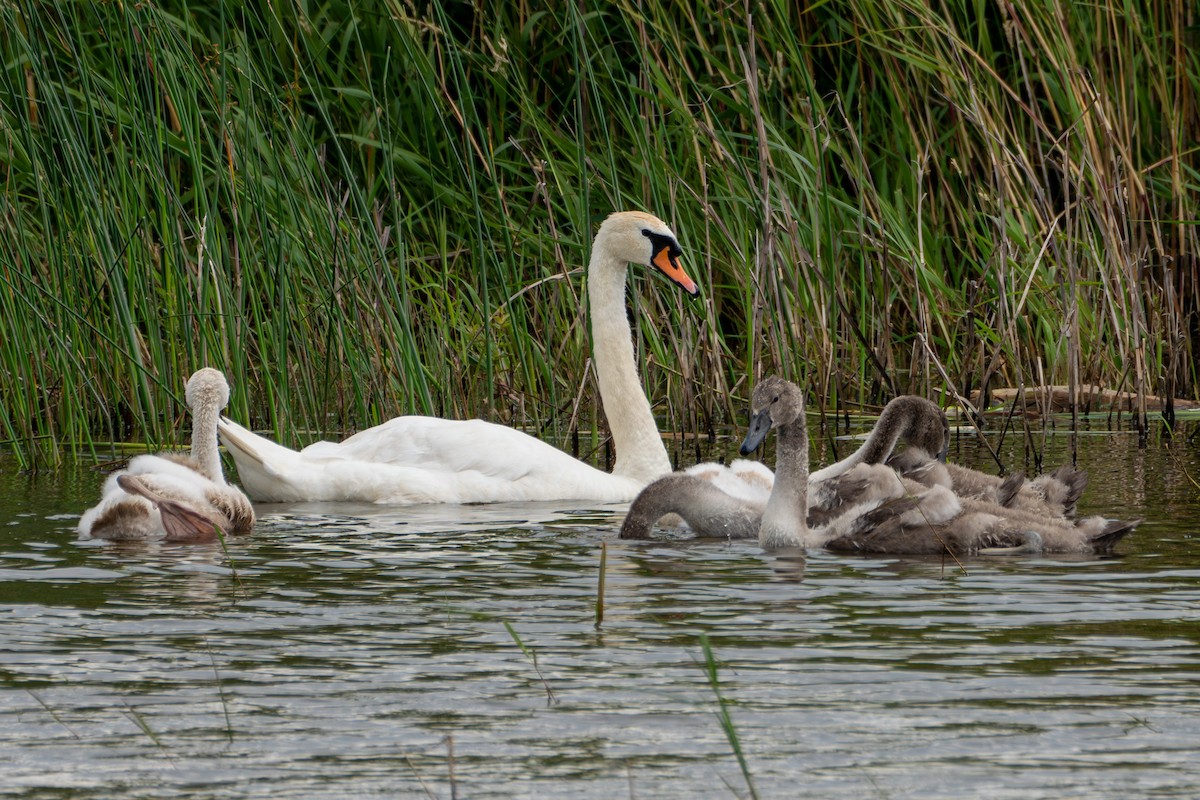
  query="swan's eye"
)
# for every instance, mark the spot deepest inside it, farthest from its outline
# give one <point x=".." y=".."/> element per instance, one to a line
<point x="661" y="241"/>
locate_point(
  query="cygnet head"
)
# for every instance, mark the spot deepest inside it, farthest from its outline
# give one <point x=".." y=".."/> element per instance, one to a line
<point x="636" y="237"/>
<point x="927" y="426"/>
<point x="775" y="402"/>
<point x="207" y="387"/>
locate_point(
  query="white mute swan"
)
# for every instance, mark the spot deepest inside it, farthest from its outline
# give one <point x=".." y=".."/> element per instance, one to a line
<point x="414" y="459"/>
<point x="171" y="496"/>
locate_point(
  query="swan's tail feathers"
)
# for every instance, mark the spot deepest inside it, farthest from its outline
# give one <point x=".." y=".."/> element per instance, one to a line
<point x="234" y="437"/>
<point x="1009" y="488"/>
<point x="268" y="472"/>
<point x="1113" y="532"/>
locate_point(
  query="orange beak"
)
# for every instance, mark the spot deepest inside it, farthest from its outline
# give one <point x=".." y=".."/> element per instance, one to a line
<point x="672" y="269"/>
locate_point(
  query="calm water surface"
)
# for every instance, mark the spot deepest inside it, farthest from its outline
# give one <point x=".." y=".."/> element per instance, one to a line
<point x="361" y="651"/>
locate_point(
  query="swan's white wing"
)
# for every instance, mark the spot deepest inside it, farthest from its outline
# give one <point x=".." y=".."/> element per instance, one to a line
<point x="445" y="445"/>
<point x="422" y="459"/>
<point x="748" y="481"/>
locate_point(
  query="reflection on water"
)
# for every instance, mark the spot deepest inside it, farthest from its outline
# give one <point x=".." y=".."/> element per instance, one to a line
<point x="350" y="650"/>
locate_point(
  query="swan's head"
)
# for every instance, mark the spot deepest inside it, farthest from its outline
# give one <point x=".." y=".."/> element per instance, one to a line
<point x="635" y="237"/>
<point x="924" y="425"/>
<point x="775" y="402"/>
<point x="207" y="387"/>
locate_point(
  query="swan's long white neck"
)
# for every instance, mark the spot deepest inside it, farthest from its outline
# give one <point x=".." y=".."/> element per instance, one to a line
<point x="204" y="439"/>
<point x="784" y="518"/>
<point x="641" y="454"/>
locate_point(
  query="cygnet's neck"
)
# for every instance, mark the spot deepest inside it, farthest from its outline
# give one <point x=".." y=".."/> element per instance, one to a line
<point x="783" y="521"/>
<point x="641" y="454"/>
<point x="204" y="439"/>
<point x="879" y="444"/>
<point x="707" y="510"/>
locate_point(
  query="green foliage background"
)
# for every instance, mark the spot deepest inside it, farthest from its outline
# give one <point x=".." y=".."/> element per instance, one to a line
<point x="364" y="209"/>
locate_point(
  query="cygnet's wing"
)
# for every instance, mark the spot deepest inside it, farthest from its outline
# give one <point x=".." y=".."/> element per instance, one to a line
<point x="181" y="523"/>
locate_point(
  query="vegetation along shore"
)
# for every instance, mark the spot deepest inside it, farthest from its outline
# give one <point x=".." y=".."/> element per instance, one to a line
<point x="357" y="210"/>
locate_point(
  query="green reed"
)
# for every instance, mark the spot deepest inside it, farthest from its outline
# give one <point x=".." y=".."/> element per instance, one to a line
<point x="137" y="718"/>
<point x="52" y="712"/>
<point x="359" y="210"/>
<point x="600" y="581"/>
<point x="220" y="690"/>
<point x="711" y="673"/>
<point x="531" y="655"/>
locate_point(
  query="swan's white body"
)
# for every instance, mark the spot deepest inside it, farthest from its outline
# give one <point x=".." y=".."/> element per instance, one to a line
<point x="414" y="459"/>
<point x="434" y="461"/>
<point x="747" y="480"/>
<point x="170" y="496"/>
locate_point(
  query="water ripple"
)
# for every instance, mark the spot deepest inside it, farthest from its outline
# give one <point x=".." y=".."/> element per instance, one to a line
<point x="348" y="650"/>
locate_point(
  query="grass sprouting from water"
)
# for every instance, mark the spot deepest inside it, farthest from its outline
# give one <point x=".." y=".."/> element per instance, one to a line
<point x="49" y="710"/>
<point x="723" y="716"/>
<point x="532" y="656"/>
<point x="363" y="209"/>
<point x="138" y="719"/>
<point x="600" y="584"/>
<point x="450" y="765"/>
<point x="220" y="692"/>
<point x="233" y="570"/>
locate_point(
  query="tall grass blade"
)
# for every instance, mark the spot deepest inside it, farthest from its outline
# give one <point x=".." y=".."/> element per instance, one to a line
<point x="364" y="209"/>
<point x="532" y="656"/>
<point x="49" y="710"/>
<point x="723" y="716"/>
<point x="220" y="693"/>
<point x="600" y="585"/>
<point x="136" y="717"/>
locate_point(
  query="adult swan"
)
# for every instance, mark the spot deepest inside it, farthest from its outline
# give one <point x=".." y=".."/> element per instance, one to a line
<point x="415" y="459"/>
